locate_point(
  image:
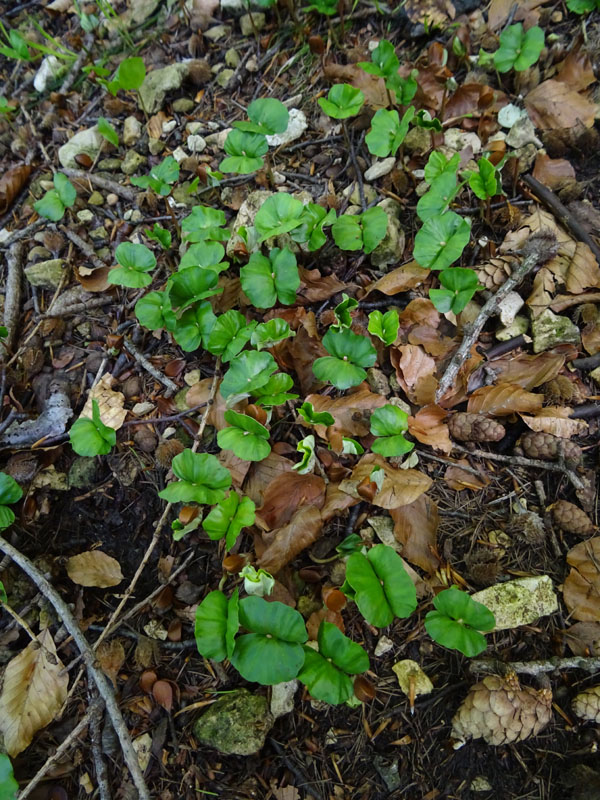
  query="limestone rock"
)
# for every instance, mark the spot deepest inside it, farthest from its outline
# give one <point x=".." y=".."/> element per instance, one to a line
<point x="380" y="168"/>
<point x="390" y="249"/>
<point x="86" y="142"/>
<point x="297" y="124"/>
<point x="237" y="724"/>
<point x="519" y="602"/>
<point x="250" y="23"/>
<point x="132" y="162"/>
<point x="550" y="329"/>
<point x="46" y="274"/>
<point x="132" y="130"/>
<point x="160" y="82"/>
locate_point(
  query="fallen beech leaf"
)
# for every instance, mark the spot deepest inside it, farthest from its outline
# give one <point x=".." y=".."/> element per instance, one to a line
<point x="93" y="280"/>
<point x="552" y="171"/>
<point x="581" y="589"/>
<point x="237" y="467"/>
<point x="200" y="392"/>
<point x="554" y="104"/>
<point x="419" y="311"/>
<point x="155" y="125"/>
<point x="415" y="527"/>
<point x="583" y="638"/>
<point x="530" y="371"/>
<point x="111" y="657"/>
<point x="162" y="691"/>
<point x="315" y="288"/>
<point x="504" y="399"/>
<point x="315" y="619"/>
<point x="400" y="279"/>
<point x="373" y="88"/>
<point x="427" y="427"/>
<point x="303" y="350"/>
<point x="500" y="10"/>
<point x="414" y="370"/>
<point x="11" y="184"/>
<point x="555" y="420"/>
<point x="285" y="495"/>
<point x="400" y="487"/>
<point x="284" y="544"/>
<point x="33" y="693"/>
<point x="577" y="70"/>
<point x="434" y="12"/>
<point x="583" y="272"/>
<point x="110" y="403"/>
<point x="286" y="793"/>
<point x="94" y="568"/>
<point x="336" y="502"/>
<point x="590" y="338"/>
<point x="261" y="473"/>
<point x="460" y="479"/>
<point x="351" y="412"/>
<point x="201" y="13"/>
<point x="431" y="340"/>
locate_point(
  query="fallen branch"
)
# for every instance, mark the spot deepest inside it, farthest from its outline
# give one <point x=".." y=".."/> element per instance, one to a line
<point x="149" y="367"/>
<point x="96" y="675"/>
<point x="102" y="183"/>
<point x="494" y="667"/>
<point x="538" y="249"/>
<point x="12" y="299"/>
<point x="85" y="248"/>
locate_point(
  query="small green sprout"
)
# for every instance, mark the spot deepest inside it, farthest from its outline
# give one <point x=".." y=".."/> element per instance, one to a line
<point x="485" y="183"/>
<point x="275" y="391"/>
<point x="384" y="326"/>
<point x="204" y="223"/>
<point x="151" y="310"/>
<point x="384" y="61"/>
<point x="160" y="235"/>
<point x="441" y="240"/>
<point x="56" y="201"/>
<point x="314" y="218"/>
<point x="583" y="6"/>
<point x="457" y="621"/>
<point x="248" y="372"/>
<point x="326" y="7"/>
<point x="342" y="312"/>
<point x="437" y="165"/>
<point x="202" y="479"/>
<point x="205" y="254"/>
<point x="267" y="115"/>
<point x="136" y="261"/>
<point x="217" y="622"/>
<point x="257" y="583"/>
<point x="129" y="76"/>
<point x="8" y="785"/>
<point x="189" y="286"/>
<point x="267" y="334"/>
<point x="404" y="88"/>
<point x="107" y="130"/>
<point x="6" y="106"/>
<point x="280" y="213"/>
<point x="388" y="423"/>
<point x="245" y="436"/>
<point x="349" y="354"/>
<point x="423" y="119"/>
<point x="360" y="231"/>
<point x="160" y="177"/>
<point x="306" y="447"/>
<point x="267" y="280"/>
<point x="388" y="131"/>
<point x="16" y="47"/>
<point x="91" y="437"/>
<point x="313" y="417"/>
<point x="193" y="327"/>
<point x="229" y="335"/>
<point x="342" y="101"/>
<point x="244" y="151"/>
<point x="228" y="518"/>
<point x="459" y="284"/>
<point x="518" y="49"/>
<point x="10" y="492"/>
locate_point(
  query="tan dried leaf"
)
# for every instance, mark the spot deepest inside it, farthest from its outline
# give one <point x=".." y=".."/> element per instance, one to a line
<point x="460" y="479"/>
<point x="590" y="338"/>
<point x="583" y="638"/>
<point x="583" y="272"/>
<point x="504" y="399"/>
<point x="284" y="544"/>
<point x="552" y="172"/>
<point x="34" y="690"/>
<point x="581" y="589"/>
<point x="261" y="473"/>
<point x="200" y="392"/>
<point x="411" y="678"/>
<point x="555" y="420"/>
<point x="202" y="13"/>
<point x="415" y="372"/>
<point x="11" y="183"/>
<point x="315" y="619"/>
<point x="530" y="371"/>
<point x="351" y="412"/>
<point x="155" y="125"/>
<point x="373" y="88"/>
<point x="315" y="288"/>
<point x="110" y="403"/>
<point x="427" y="427"/>
<point x="111" y="657"/>
<point x="94" y="568"/>
<point x="285" y="495"/>
<point x="400" y="279"/>
<point x="553" y="104"/>
<point x="415" y="526"/>
<point x="400" y="487"/>
<point x="336" y="502"/>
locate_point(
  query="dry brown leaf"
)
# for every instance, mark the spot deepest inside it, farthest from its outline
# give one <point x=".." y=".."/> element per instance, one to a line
<point x="427" y="427"/>
<point x="303" y="349"/>
<point x="554" y="104"/>
<point x="110" y="403"/>
<point x="400" y="487"/>
<point x="261" y="473"/>
<point x="111" y="657"/>
<point x="286" y="793"/>
<point x="434" y="12"/>
<point x="590" y="338"/>
<point x="460" y="479"/>
<point x="34" y="690"/>
<point x="94" y="568"/>
<point x="351" y="412"/>
<point x="555" y="420"/>
<point x="500" y="10"/>
<point x="504" y="399"/>
<point x="581" y="589"/>
<point x="415" y="526"/>
<point x="529" y="371"/>
<point x="11" y="184"/>
<point x="315" y="619"/>
<point x="563" y="301"/>
<point x="400" y="279"/>
<point x="583" y="272"/>
<point x="431" y="340"/>
<point x="373" y="88"/>
<point x="155" y="125"/>
<point x="284" y="544"/>
<point x="552" y="172"/>
<point x="285" y="495"/>
<point x="93" y="280"/>
<point x="577" y="70"/>
<point x="162" y="691"/>
<point x="200" y="392"/>
<point x="237" y="467"/>
<point x="415" y="372"/>
<point x="314" y="287"/>
<point x="583" y="638"/>
<point x="201" y="13"/>
<point x="336" y="502"/>
<point x="419" y="311"/>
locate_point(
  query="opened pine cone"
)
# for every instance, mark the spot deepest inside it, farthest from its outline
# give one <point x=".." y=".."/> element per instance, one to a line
<point x="571" y="518"/>
<point x="587" y="704"/>
<point x="528" y="526"/>
<point x="466" y="427"/>
<point x="500" y="711"/>
<point x="547" y="447"/>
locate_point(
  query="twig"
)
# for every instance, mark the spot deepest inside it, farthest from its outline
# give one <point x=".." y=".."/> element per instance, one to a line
<point x="12" y="299"/>
<point x="172" y="418"/>
<point x="85" y="248"/>
<point x="493" y="667"/>
<point x="505" y="347"/>
<point x="539" y="248"/>
<point x="103" y="183"/>
<point x="76" y="308"/>
<point x="104" y="688"/>
<point x="99" y="764"/>
<point x="23" y="233"/>
<point x="61" y="749"/>
<point x="73" y="72"/>
<point x="149" y="367"/>
<point x="520" y="461"/>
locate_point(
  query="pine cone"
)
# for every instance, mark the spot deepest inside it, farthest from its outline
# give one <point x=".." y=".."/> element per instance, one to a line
<point x="546" y="447"/>
<point x="493" y="274"/>
<point x="571" y="518"/>
<point x="562" y="392"/>
<point x="587" y="704"/>
<point x="467" y="427"/>
<point x="499" y="711"/>
<point x="166" y="452"/>
<point x="528" y="526"/>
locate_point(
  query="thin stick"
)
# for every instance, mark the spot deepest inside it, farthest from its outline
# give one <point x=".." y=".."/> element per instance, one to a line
<point x="99" y="764"/>
<point x="61" y="749"/>
<point x="104" y="688"/>
<point x="24" y="233"/>
<point x="73" y="72"/>
<point x="85" y="248"/>
<point x="149" y="367"/>
<point x="76" y="308"/>
<point x="102" y="183"/>
<point x="12" y="300"/>
<point x="539" y="248"/>
<point x="493" y="667"/>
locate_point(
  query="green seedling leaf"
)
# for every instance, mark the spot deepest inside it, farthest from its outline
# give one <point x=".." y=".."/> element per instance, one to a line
<point x="342" y="312"/>
<point x="485" y="183"/>
<point x="343" y="101"/>
<point x="518" y="49"/>
<point x="268" y="280"/>
<point x="326" y="7"/>
<point x="136" y="261"/>
<point x="7" y="107"/>
<point x="349" y="353"/>
<point x="275" y="391"/>
<point x="160" y="177"/>
<point x="3" y="599"/>
<point x="8" y="784"/>
<point x="267" y="334"/>
<point x="314" y="219"/>
<point x="53" y="204"/>
<point x="91" y="437"/>
<point x="382" y="588"/>
<point x="267" y="116"/>
<point x="583" y="6"/>
<point x="107" y="130"/>
<point x="351" y="544"/>
<point x="438" y="165"/>
<point x="130" y="75"/>
<point x="202" y="479"/>
<point x="3" y="331"/>
<point x="217" y="622"/>
<point x="160" y="235"/>
<point x="189" y="286"/>
<point x="204" y="223"/>
<point x="228" y="518"/>
<point x="360" y="231"/>
<point x="404" y="88"/>
<point x="459" y="287"/>
<point x="437" y="200"/>
<point x="244" y="151"/>
<point x="325" y="674"/>
<point x="179" y="530"/>
<point x="248" y="372"/>
<point x="66" y="190"/>
<point x="206" y="254"/>
<point x="10" y="492"/>
<point x="313" y="417"/>
<point x="384" y="326"/>
<point x="150" y="310"/>
<point x="384" y="61"/>
<point x="423" y="119"/>
<point x="280" y="213"/>
<point x="248" y="439"/>
<point x="457" y="622"/>
<point x="388" y="131"/>
<point x="193" y="327"/>
<point x="306" y="447"/>
<point x="389" y="423"/>
<point x="230" y="334"/>
<point x="272" y="652"/>
<point x="351" y="447"/>
<point x="441" y="241"/>
<point x="257" y="583"/>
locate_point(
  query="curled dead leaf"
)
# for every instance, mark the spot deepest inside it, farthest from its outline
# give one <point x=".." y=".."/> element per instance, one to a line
<point x="400" y="487"/>
<point x="94" y="568"/>
<point x="285" y="494"/>
<point x="581" y="589"/>
<point x="111" y="656"/>
<point x="415" y="372"/>
<point x="427" y="427"/>
<point x="554" y="104"/>
<point x="284" y="544"/>
<point x="11" y="184"/>
<point x="415" y="527"/>
<point x="555" y="420"/>
<point x="351" y="412"/>
<point x="400" y="279"/>
<point x="460" y="479"/>
<point x="504" y="399"/>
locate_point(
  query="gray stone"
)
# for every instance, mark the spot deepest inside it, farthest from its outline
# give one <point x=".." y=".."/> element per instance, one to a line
<point x="224" y="77"/>
<point x="251" y="23"/>
<point x="352" y="192"/>
<point x="519" y="602"/>
<point x="158" y="83"/>
<point x="183" y="104"/>
<point x="217" y="32"/>
<point x="46" y="274"/>
<point x="132" y="131"/>
<point x="380" y="168"/>
<point x="155" y="146"/>
<point x="82" y="473"/>
<point x="297" y="124"/>
<point x="378" y="381"/>
<point x="218" y="139"/>
<point x="245" y="216"/>
<point x="132" y="162"/>
<point x="282" y="698"/>
<point x="96" y="199"/>
<point x="417" y="141"/>
<point x="51" y="70"/>
<point x="390" y="249"/>
<point x="550" y="329"/>
<point x="85" y="216"/>
<point x="86" y="142"/>
<point x="196" y="143"/>
<point x="518" y="326"/>
<point x="110" y="164"/>
<point x="389" y="772"/>
<point x="237" y="724"/>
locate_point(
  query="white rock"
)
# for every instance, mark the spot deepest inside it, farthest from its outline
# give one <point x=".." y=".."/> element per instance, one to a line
<point x="510" y="307"/>
<point x="373" y="44"/>
<point x="292" y="101"/>
<point x="50" y="69"/>
<point x="196" y="143"/>
<point x="384" y="645"/>
<point x="522" y="133"/>
<point x="88" y="141"/>
<point x="218" y="139"/>
<point x="278" y="178"/>
<point x="457" y="139"/>
<point x="218" y="32"/>
<point x="193" y="127"/>
<point x="296" y="126"/>
<point x="132" y="131"/>
<point x="250" y="23"/>
<point x="508" y="115"/>
<point x="282" y="698"/>
<point x="380" y="168"/>
<point x="169" y="126"/>
<point x="179" y="154"/>
<point x="252" y="64"/>
<point x="140" y="409"/>
<point x="233" y="5"/>
<point x="519" y="602"/>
